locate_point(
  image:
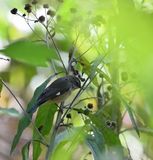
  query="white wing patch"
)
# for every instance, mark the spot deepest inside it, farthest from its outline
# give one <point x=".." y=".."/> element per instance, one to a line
<point x="57" y="94"/>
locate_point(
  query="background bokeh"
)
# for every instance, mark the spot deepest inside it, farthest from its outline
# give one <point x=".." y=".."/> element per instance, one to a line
<point x="120" y="29"/>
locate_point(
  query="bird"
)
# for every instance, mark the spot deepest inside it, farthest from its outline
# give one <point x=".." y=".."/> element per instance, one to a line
<point x="57" y="91"/>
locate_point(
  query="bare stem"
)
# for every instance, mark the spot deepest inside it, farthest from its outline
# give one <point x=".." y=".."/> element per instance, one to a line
<point x="54" y="132"/>
<point x="25" y="113"/>
<point x="55" y="48"/>
<point x="46" y="27"/>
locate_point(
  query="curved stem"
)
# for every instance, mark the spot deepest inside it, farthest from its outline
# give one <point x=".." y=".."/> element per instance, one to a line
<point x="54" y="132"/>
<point x="25" y="113"/>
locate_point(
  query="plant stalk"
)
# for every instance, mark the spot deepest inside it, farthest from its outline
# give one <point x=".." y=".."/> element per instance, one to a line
<point x="54" y="132"/>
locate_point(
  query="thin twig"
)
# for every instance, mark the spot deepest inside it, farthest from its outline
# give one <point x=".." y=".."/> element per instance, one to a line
<point x="144" y="130"/>
<point x="55" y="48"/>
<point x="82" y="89"/>
<point x="25" y="113"/>
<point x="39" y="141"/>
<point x="53" y="43"/>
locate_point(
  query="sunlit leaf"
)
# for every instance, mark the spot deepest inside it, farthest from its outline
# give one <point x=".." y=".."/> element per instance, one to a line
<point x="30" y="52"/>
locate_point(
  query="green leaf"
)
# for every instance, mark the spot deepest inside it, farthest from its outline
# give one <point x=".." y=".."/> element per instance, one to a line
<point x="96" y="143"/>
<point x="25" y="151"/>
<point x="66" y="143"/>
<point x="95" y="64"/>
<point x="43" y="121"/>
<point x="29" y="52"/>
<point x="10" y="111"/>
<point x="25" y="121"/>
<point x="1" y="85"/>
<point x="127" y="106"/>
<point x="108" y="137"/>
<point x="107" y="78"/>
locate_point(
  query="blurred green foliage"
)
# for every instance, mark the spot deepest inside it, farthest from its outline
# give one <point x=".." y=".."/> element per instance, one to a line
<point x="112" y="42"/>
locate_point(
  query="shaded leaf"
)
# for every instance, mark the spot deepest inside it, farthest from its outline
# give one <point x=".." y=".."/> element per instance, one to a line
<point x="109" y="138"/>
<point x="25" y="121"/>
<point x="25" y="151"/>
<point x="43" y="122"/>
<point x="10" y="111"/>
<point x="29" y="52"/>
<point x="67" y="142"/>
<point x="96" y="143"/>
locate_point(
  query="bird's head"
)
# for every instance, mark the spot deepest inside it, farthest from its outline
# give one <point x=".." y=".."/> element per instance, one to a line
<point x="75" y="82"/>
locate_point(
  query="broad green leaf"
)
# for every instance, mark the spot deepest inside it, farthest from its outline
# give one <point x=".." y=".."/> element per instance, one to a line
<point x="44" y="122"/>
<point x="29" y="52"/>
<point x="25" y="151"/>
<point x="67" y="142"/>
<point x="25" y="121"/>
<point x="96" y="143"/>
<point x="109" y="137"/>
<point x="10" y="111"/>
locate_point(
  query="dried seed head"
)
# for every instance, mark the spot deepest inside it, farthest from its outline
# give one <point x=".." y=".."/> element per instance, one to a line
<point x="113" y="124"/>
<point x="24" y="15"/>
<point x="28" y="8"/>
<point x="76" y="72"/>
<point x="36" y="21"/>
<point x="45" y="6"/>
<point x="68" y="116"/>
<point x="14" y="11"/>
<point x="108" y="123"/>
<point x="51" y="13"/>
<point x="90" y="105"/>
<point x="41" y="19"/>
<point x="109" y="88"/>
<point x="40" y="128"/>
<point x="34" y="2"/>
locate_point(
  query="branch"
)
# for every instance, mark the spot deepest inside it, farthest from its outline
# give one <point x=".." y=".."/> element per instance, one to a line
<point x="25" y="113"/>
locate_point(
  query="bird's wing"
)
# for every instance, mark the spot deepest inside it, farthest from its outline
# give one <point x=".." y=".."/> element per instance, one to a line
<point x="54" y="90"/>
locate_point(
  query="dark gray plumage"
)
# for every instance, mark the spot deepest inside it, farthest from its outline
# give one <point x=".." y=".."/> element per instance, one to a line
<point x="57" y="91"/>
